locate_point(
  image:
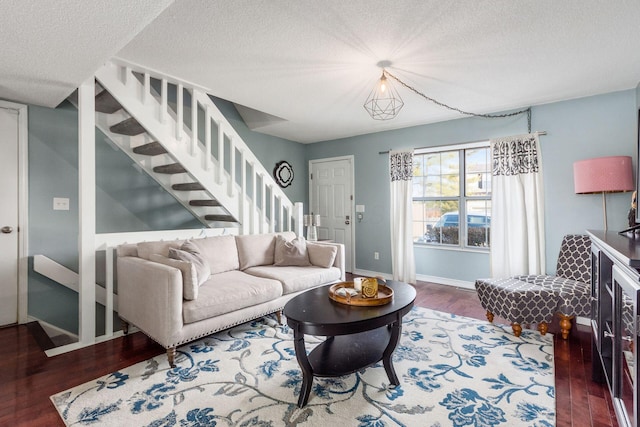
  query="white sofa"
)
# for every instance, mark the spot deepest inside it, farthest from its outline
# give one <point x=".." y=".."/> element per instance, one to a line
<point x="243" y="284"/>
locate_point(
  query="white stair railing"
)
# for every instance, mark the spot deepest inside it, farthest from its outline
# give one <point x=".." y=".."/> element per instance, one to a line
<point x="253" y="198"/>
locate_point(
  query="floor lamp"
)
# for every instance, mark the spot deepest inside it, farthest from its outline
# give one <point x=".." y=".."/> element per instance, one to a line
<point x="612" y="174"/>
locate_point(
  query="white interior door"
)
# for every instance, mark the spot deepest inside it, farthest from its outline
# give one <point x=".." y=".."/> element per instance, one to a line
<point x="331" y="197"/>
<point x="9" y="128"/>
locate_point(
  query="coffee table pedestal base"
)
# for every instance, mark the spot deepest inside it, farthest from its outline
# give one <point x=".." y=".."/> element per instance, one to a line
<point x="346" y="354"/>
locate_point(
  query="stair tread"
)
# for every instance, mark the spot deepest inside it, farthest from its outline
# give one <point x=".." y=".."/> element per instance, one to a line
<point x="189" y="186"/>
<point x="204" y="203"/>
<point x="106" y="103"/>
<point x="222" y="218"/>
<point x="129" y="127"/>
<point x="172" y="168"/>
<point x="151" y="149"/>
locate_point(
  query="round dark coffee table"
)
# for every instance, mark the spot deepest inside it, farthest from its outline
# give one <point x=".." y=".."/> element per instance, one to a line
<point x="357" y="336"/>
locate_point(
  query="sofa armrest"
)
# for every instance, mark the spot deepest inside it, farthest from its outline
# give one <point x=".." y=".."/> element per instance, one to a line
<point x="150" y="297"/>
<point x="339" y="261"/>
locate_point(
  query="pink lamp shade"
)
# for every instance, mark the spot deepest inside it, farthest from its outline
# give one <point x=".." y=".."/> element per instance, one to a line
<point x="603" y="175"/>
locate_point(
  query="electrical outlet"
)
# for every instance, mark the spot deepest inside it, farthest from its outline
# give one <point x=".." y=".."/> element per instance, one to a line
<point x="60" y="204"/>
<point x="376" y="255"/>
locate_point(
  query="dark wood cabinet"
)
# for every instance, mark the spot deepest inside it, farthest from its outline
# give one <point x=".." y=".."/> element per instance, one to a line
<point x="615" y="292"/>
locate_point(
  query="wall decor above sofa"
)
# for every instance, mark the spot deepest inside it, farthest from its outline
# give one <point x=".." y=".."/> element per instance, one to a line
<point x="283" y="173"/>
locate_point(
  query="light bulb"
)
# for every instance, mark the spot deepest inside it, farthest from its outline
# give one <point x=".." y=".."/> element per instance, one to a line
<point x="383" y="83"/>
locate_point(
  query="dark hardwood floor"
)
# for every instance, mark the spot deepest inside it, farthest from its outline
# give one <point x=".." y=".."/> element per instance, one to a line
<point x="28" y="377"/>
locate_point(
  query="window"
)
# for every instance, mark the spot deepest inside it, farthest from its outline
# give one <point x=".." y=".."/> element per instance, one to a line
<point x="448" y="184"/>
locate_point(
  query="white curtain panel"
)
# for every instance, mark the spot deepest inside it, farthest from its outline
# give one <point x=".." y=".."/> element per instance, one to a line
<point x="517" y="204"/>
<point x="402" y="259"/>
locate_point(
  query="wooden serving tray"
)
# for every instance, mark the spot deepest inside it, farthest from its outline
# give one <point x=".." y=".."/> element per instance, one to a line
<point x="385" y="295"/>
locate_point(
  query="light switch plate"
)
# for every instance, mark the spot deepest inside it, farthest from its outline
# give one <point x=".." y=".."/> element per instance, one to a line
<point x="60" y="204"/>
<point x="359" y="208"/>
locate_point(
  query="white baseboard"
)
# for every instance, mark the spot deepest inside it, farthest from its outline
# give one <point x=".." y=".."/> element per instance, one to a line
<point x="424" y="278"/>
<point x="445" y="281"/>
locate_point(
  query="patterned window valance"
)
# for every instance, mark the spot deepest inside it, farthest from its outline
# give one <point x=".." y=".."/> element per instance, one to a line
<point x="517" y="155"/>
<point x="401" y="165"/>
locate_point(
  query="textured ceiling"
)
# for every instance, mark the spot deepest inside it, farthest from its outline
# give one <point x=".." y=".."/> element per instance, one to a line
<point x="50" y="47"/>
<point x="309" y="65"/>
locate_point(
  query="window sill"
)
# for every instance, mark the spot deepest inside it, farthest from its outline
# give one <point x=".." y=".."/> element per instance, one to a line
<point x="452" y="248"/>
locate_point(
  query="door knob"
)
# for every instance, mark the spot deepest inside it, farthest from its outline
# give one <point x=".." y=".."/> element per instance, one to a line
<point x="6" y="229"/>
<point x="346" y="221"/>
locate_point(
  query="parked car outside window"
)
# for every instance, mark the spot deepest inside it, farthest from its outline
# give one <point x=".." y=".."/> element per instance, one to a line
<point x="445" y="230"/>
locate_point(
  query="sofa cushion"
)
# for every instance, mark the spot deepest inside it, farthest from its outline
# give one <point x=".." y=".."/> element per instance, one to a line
<point x="322" y="255"/>
<point x="189" y="276"/>
<point x="290" y="252"/>
<point x="145" y="249"/>
<point x="229" y="291"/>
<point x="188" y="252"/>
<point x="294" y="278"/>
<point x="255" y="249"/>
<point x="220" y="252"/>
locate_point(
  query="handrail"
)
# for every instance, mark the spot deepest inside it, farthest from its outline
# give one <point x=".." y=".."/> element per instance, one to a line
<point x="67" y="277"/>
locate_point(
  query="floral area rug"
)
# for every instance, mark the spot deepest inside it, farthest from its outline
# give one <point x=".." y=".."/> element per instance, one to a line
<point x="453" y="371"/>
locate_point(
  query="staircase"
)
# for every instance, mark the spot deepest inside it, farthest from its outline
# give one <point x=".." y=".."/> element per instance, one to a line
<point x="175" y="133"/>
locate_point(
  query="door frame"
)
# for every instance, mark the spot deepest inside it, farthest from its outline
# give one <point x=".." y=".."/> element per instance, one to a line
<point x="350" y="159"/>
<point x="23" y="205"/>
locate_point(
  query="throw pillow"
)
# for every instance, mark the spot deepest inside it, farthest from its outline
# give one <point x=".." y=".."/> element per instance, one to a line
<point x="322" y="255"/>
<point x="189" y="276"/>
<point x="189" y="252"/>
<point x="293" y="252"/>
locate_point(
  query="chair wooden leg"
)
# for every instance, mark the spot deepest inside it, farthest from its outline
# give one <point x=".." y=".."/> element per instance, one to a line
<point x="279" y="316"/>
<point x="171" y="355"/>
<point x="543" y="327"/>
<point x="565" y="325"/>
<point x="517" y="329"/>
<point x="490" y="316"/>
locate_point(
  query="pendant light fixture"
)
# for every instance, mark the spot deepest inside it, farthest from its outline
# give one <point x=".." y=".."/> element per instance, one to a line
<point x="384" y="102"/>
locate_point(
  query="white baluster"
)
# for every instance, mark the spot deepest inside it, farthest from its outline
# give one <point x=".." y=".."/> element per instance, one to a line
<point x="194" y="123"/>
<point x="263" y="206"/>
<point x="180" y="112"/>
<point x="281" y="215"/>
<point x="108" y="297"/>
<point x="272" y="210"/>
<point x="232" y="167"/>
<point x="220" y="153"/>
<point x="207" y="138"/>
<point x="254" y="201"/>
<point x="128" y="77"/>
<point x="163" y="102"/>
<point x="298" y="210"/>
<point x="146" y="93"/>
<point x="243" y="192"/>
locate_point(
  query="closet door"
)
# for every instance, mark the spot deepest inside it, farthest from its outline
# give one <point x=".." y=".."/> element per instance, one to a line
<point x="9" y="127"/>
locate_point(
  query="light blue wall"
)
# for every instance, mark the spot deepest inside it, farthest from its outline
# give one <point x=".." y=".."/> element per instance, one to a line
<point x="596" y="126"/>
<point x="577" y="129"/>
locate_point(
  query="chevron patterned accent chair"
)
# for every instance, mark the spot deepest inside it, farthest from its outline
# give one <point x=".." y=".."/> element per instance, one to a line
<point x="536" y="298"/>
